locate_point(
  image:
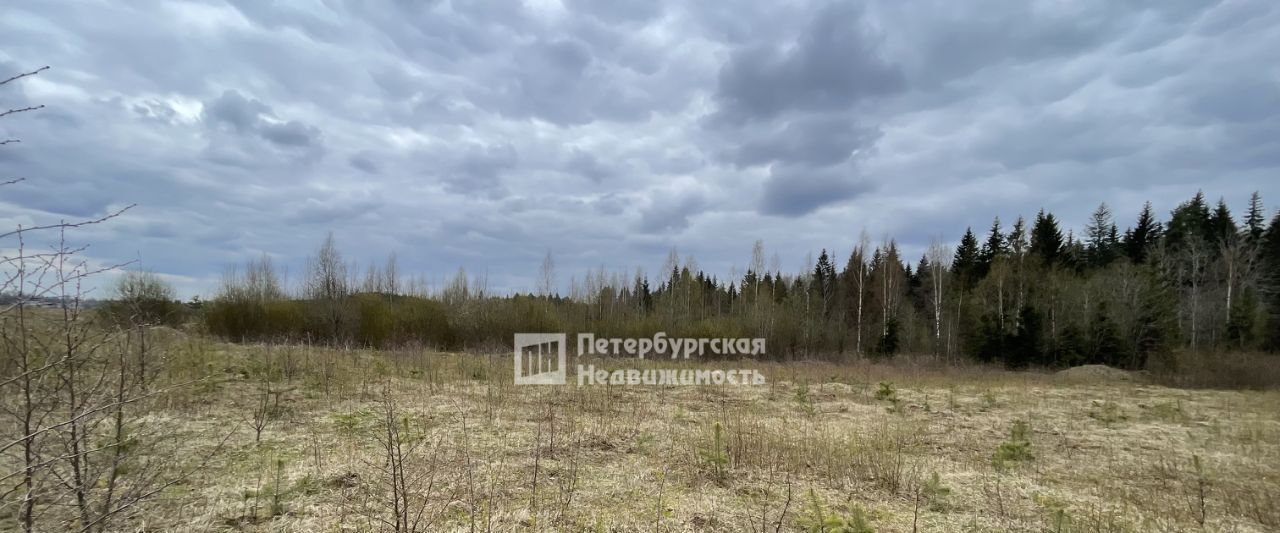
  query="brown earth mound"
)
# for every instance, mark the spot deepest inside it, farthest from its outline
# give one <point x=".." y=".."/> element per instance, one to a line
<point x="1095" y="374"/>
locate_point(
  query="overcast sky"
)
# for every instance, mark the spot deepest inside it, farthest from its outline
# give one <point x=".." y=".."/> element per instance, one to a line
<point x="483" y="134"/>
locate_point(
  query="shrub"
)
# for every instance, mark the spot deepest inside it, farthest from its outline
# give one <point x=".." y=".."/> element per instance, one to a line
<point x="803" y="398"/>
<point x="143" y="299"/>
<point x="934" y="492"/>
<point x="816" y="519"/>
<point x="1017" y="448"/>
<point x="715" y="456"/>
<point x="886" y="392"/>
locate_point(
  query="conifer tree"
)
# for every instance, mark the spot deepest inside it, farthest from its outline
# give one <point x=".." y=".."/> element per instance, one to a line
<point x="1101" y="235"/>
<point x="1270" y="259"/>
<point x="1017" y="239"/>
<point x="1104" y="337"/>
<point x="994" y="248"/>
<point x="965" y="264"/>
<point x="1025" y="346"/>
<point x="1138" y="241"/>
<point x="1255" y="221"/>
<point x="1222" y="228"/>
<point x="1074" y="254"/>
<point x="1046" y="239"/>
<point x="1190" y="219"/>
<point x="824" y="284"/>
<point x="1155" y="324"/>
<point x="644" y="295"/>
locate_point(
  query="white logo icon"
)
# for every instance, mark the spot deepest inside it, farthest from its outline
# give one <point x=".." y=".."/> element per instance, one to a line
<point x="535" y="364"/>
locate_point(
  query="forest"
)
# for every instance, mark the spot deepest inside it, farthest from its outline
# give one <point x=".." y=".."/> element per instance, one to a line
<point x="1030" y="294"/>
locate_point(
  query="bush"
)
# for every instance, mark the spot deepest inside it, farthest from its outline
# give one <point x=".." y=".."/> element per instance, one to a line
<point x="886" y="392"/>
<point x="816" y="519"/>
<point x="372" y="320"/>
<point x="143" y="299"/>
<point x="1017" y="448"/>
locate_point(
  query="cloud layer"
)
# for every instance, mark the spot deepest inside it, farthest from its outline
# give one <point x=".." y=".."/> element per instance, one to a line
<point x="482" y="134"/>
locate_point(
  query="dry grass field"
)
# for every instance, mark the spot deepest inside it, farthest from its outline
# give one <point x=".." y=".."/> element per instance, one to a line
<point x="291" y="438"/>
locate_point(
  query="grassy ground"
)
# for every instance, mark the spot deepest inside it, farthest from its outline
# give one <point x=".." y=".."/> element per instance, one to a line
<point x="889" y="447"/>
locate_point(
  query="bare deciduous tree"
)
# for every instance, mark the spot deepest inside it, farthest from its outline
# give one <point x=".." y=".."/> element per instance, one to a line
<point x="547" y="275"/>
<point x="71" y="388"/>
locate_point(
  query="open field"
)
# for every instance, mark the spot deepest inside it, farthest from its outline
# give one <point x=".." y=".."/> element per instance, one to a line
<point x="291" y="438"/>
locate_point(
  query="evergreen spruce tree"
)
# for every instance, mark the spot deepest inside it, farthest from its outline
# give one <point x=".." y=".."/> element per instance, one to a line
<point x="1255" y="221"/>
<point x="887" y="345"/>
<point x="1240" y="320"/>
<point x="1222" y="228"/>
<point x="1074" y="254"/>
<point x="994" y="248"/>
<point x="824" y="283"/>
<point x="1017" y="239"/>
<point x="779" y="289"/>
<point x="1138" y="241"/>
<point x="965" y="263"/>
<point x="1071" y="347"/>
<point x="1046" y="239"/>
<point x="1026" y="347"/>
<point x="824" y="275"/>
<point x="916" y="284"/>
<point x="645" y="296"/>
<point x="1105" y="345"/>
<point x="1270" y="259"/>
<point x="1191" y="218"/>
<point x="1101" y="236"/>
<point x="985" y="340"/>
<point x="749" y="281"/>
<point x="1155" y="326"/>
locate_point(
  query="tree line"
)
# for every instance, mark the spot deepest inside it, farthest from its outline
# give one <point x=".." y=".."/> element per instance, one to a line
<point x="1028" y="294"/>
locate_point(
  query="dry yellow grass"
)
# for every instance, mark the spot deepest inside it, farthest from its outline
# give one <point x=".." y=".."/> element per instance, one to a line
<point x="491" y="456"/>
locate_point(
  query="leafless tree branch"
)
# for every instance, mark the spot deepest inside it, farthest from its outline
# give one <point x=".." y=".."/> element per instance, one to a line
<point x="25" y="74"/>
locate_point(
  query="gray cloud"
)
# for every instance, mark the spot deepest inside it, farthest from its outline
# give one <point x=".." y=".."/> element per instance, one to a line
<point x="480" y="168"/>
<point x="670" y="212"/>
<point x="587" y="165"/>
<point x="621" y="11"/>
<point x="791" y="192"/>
<point x="365" y="163"/>
<point x="833" y="64"/>
<point x="482" y="134"/>
<point x="291" y="133"/>
<point x="232" y="109"/>
<point x="248" y="116"/>
<point x="811" y="141"/>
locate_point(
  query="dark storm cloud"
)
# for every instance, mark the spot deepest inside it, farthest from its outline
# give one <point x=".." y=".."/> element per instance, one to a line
<point x="291" y="133"/>
<point x="811" y="141"/>
<point x="1253" y="97"/>
<point x="248" y="116"/>
<point x="480" y="168"/>
<point x="669" y="212"/>
<point x="791" y="192"/>
<point x="365" y="163"/>
<point x="587" y="165"/>
<point x="234" y="110"/>
<point x="482" y="134"/>
<point x="833" y="64"/>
